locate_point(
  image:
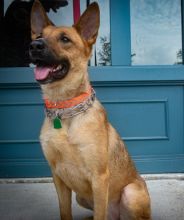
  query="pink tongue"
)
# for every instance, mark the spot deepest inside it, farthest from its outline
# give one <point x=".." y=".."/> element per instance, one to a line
<point x="41" y="73"/>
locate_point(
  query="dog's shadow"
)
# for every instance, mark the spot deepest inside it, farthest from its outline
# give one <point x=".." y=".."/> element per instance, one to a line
<point x="88" y="218"/>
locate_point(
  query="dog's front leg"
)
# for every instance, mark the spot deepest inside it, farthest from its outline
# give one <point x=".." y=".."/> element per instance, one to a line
<point x="65" y="198"/>
<point x="100" y="186"/>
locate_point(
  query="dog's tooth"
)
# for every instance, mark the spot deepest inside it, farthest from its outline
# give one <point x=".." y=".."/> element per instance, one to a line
<point x="59" y="67"/>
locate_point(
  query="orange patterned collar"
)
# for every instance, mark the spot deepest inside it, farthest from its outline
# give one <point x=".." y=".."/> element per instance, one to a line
<point x="70" y="102"/>
<point x="57" y="111"/>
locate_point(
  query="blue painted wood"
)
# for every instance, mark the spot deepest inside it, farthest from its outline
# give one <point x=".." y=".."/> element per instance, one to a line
<point x="121" y="75"/>
<point x="24" y="168"/>
<point x="182" y="28"/>
<point x="120" y="32"/>
<point x="142" y="126"/>
<point x="160" y="164"/>
<point x="149" y="118"/>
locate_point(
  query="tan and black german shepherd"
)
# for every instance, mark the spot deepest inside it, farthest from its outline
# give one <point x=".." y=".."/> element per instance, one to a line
<point x="85" y="153"/>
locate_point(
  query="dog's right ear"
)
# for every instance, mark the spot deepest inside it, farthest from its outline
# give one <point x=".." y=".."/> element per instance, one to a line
<point x="39" y="19"/>
<point x="88" y="23"/>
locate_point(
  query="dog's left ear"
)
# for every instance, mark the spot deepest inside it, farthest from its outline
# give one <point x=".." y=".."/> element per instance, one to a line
<point x="89" y="23"/>
<point x="39" y="19"/>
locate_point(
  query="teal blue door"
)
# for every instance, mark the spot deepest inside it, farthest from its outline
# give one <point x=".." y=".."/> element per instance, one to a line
<point x="144" y="102"/>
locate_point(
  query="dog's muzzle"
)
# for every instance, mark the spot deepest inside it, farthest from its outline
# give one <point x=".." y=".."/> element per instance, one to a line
<point x="37" y="50"/>
<point x="48" y="68"/>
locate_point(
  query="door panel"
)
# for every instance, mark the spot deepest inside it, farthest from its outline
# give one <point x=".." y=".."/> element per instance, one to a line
<point x="148" y="114"/>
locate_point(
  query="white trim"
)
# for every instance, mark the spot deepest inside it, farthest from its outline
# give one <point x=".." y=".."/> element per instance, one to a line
<point x="147" y="177"/>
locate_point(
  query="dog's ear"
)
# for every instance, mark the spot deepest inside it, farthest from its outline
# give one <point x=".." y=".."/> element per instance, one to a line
<point x="39" y="19"/>
<point x="89" y="23"/>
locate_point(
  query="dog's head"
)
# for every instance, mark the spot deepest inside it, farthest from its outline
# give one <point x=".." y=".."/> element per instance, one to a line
<point x="61" y="52"/>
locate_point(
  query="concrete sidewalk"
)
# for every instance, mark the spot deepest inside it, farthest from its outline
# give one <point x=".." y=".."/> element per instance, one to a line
<point x="38" y="201"/>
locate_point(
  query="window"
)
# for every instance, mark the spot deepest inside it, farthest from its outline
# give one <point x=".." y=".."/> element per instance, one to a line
<point x="15" y="23"/>
<point x="156" y="32"/>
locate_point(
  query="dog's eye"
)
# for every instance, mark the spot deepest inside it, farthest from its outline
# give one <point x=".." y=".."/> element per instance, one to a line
<point x="65" y="39"/>
<point x="39" y="36"/>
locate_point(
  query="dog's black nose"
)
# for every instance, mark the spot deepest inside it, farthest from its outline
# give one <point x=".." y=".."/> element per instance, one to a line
<point x="37" y="45"/>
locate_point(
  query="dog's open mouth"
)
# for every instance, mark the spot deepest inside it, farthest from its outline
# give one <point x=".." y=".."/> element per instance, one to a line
<point x="48" y="74"/>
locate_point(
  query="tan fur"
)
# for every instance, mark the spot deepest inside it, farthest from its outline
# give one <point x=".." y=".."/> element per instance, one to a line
<point x="87" y="155"/>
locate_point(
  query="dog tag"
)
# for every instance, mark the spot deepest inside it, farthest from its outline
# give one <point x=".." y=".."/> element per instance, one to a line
<point x="57" y="123"/>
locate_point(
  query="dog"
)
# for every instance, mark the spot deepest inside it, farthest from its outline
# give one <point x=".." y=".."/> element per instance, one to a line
<point x="85" y="153"/>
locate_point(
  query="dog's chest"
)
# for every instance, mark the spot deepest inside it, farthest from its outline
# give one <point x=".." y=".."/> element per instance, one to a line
<point x="65" y="158"/>
<point x="74" y="177"/>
